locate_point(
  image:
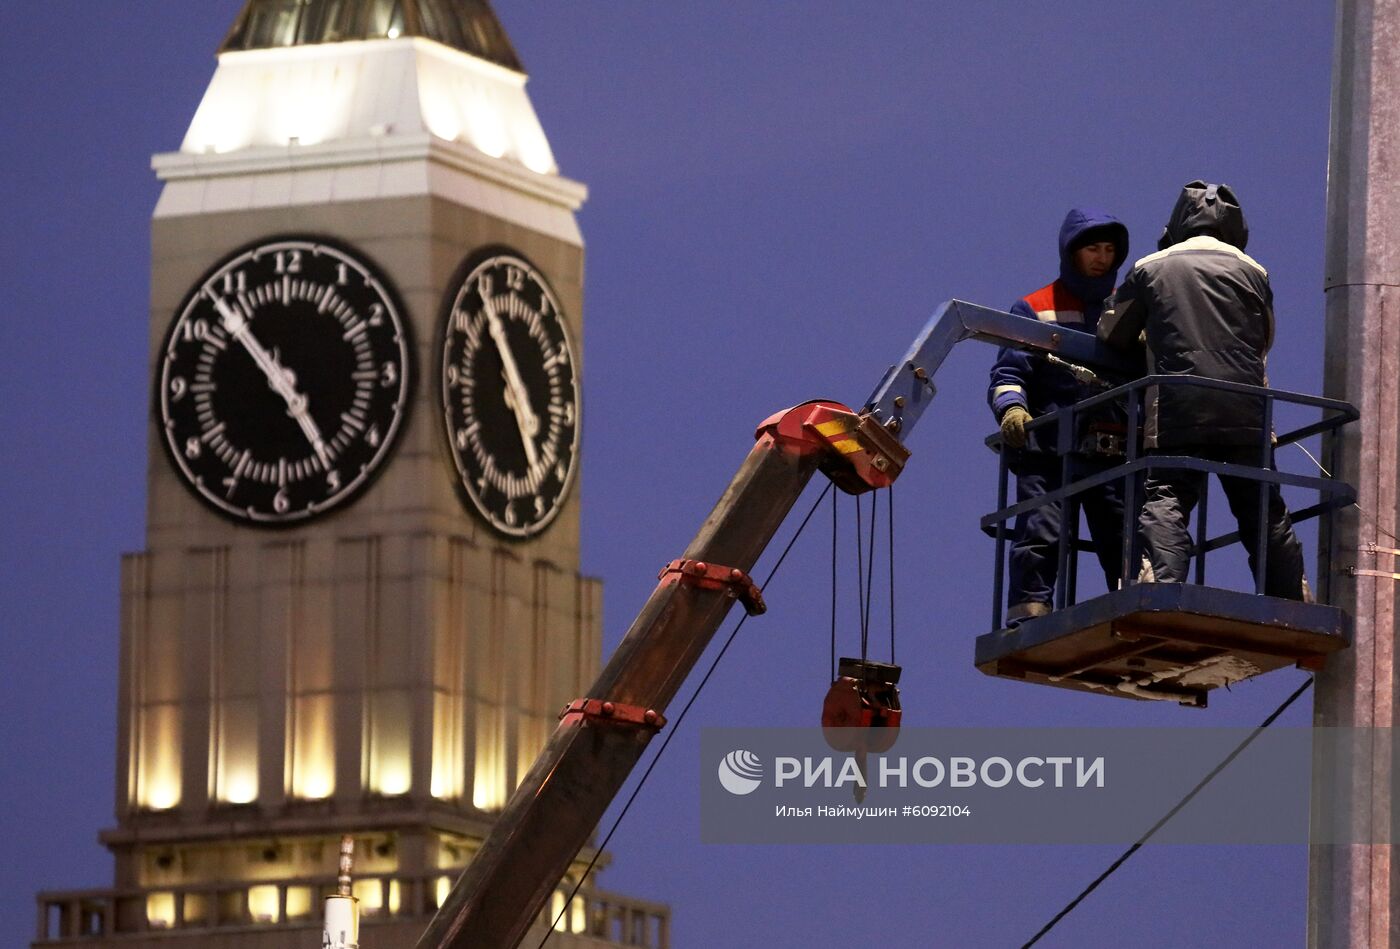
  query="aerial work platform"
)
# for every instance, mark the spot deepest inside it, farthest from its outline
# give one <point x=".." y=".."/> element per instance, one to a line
<point x="1164" y="641"/>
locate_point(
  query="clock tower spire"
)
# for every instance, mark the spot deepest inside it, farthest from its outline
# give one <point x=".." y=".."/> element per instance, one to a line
<point x="470" y="26"/>
<point x="359" y="606"/>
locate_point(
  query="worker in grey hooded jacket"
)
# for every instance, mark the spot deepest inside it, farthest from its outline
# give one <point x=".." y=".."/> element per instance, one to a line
<point x="1203" y="307"/>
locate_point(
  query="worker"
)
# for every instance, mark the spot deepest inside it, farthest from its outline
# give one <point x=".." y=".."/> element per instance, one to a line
<point x="1093" y="245"/>
<point x="1203" y="307"/>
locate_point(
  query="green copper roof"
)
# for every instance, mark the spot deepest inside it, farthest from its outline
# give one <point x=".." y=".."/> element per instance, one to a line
<point x="468" y="25"/>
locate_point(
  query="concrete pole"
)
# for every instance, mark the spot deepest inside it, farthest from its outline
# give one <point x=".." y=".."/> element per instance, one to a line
<point x="1354" y="890"/>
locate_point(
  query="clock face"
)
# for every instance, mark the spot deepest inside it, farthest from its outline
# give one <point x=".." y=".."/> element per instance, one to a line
<point x="510" y="396"/>
<point x="283" y="380"/>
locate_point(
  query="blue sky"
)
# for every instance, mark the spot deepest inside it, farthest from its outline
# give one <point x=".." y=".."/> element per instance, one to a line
<point x="781" y="193"/>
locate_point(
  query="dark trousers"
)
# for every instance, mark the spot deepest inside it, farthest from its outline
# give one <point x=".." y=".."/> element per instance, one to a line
<point x="1035" y="546"/>
<point x="1164" y="526"/>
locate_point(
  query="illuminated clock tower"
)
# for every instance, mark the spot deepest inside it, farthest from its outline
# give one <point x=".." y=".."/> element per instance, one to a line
<point x="359" y="608"/>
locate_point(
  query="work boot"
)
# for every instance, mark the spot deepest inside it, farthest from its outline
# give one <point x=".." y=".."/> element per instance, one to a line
<point x="1146" y="574"/>
<point x="1020" y="612"/>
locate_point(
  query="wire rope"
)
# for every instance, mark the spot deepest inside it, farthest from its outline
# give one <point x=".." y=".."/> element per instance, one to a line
<point x="675" y="727"/>
<point x="1327" y="474"/>
<point x="891" y="538"/>
<point x="860" y="582"/>
<point x="1137" y="845"/>
<point x="833" y="585"/>
<point x="869" y="581"/>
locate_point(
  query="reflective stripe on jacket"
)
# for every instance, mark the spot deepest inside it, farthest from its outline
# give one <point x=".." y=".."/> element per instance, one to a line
<point x="1072" y="301"/>
<point x="1027" y="379"/>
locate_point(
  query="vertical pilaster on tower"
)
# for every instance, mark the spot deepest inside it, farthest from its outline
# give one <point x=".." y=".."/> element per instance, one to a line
<point x="1353" y="888"/>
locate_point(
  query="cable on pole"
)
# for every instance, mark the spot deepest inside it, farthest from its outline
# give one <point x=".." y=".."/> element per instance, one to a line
<point x="675" y="727"/>
<point x="1137" y="845"/>
<point x="1375" y="522"/>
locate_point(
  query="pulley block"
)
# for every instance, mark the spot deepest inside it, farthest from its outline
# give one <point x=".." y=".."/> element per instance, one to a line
<point x="861" y="712"/>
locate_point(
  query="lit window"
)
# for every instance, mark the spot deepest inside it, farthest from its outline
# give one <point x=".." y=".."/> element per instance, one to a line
<point x="160" y="910"/>
<point x="263" y="904"/>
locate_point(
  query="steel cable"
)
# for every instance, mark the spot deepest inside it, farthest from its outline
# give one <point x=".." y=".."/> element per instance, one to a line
<point x="869" y="582"/>
<point x="675" y="726"/>
<point x="891" y="533"/>
<point x="833" y="586"/>
<point x="860" y="581"/>
<point x="1137" y="845"/>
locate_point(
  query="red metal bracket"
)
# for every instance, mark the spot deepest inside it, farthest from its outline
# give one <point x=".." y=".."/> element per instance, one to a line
<point x="712" y="576"/>
<point x="857" y="453"/>
<point x="581" y="709"/>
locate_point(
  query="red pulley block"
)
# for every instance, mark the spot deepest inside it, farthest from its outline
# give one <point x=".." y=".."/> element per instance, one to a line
<point x="861" y="712"/>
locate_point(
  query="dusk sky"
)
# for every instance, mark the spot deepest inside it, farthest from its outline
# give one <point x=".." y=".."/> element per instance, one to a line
<point x="780" y="195"/>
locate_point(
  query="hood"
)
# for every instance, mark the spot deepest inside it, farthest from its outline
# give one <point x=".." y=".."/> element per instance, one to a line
<point x="1073" y="234"/>
<point x="1209" y="209"/>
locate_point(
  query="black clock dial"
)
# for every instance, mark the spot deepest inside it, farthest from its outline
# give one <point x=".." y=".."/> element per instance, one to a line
<point x="510" y="397"/>
<point x="283" y="380"/>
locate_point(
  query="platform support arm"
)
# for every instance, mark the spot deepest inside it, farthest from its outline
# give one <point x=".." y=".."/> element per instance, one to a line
<point x="907" y="387"/>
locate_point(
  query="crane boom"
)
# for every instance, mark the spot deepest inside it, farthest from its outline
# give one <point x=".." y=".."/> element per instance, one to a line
<point x="601" y="737"/>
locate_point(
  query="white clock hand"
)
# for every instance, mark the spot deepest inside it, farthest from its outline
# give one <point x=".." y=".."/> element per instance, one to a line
<point x="517" y="397"/>
<point x="281" y="379"/>
<point x="298" y="409"/>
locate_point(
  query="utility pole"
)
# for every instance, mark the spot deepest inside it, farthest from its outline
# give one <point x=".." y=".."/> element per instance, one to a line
<point x="1354" y="889"/>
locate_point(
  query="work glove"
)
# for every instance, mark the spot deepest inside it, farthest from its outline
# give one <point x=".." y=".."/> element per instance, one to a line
<point x="1013" y="426"/>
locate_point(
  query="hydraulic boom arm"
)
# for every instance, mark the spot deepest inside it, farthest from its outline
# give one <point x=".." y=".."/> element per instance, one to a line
<point x="601" y="736"/>
<point x="907" y="388"/>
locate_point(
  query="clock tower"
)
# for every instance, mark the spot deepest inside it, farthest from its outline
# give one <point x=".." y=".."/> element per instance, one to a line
<point x="359" y="607"/>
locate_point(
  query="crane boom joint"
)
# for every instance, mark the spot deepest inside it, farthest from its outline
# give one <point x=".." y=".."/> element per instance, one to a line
<point x="713" y="576"/>
<point x="603" y="710"/>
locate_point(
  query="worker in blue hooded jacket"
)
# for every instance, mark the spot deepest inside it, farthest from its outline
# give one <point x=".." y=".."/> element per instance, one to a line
<point x="1024" y="386"/>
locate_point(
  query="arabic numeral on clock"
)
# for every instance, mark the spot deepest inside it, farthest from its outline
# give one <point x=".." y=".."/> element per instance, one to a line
<point x="453" y="374"/>
<point x="281" y="380"/>
<point x="462" y="438"/>
<point x="539" y="506"/>
<point x="235" y="281"/>
<point x="287" y="261"/>
<point x="510" y="515"/>
<point x="515" y="278"/>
